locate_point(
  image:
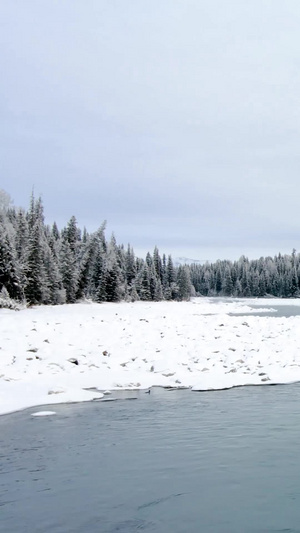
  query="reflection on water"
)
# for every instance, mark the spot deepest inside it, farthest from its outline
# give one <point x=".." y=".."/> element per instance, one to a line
<point x="170" y="462"/>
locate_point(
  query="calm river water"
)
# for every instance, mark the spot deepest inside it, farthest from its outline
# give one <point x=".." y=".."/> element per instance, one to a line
<point x="168" y="462"/>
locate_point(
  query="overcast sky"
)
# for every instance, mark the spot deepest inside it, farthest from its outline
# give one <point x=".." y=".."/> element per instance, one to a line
<point x="177" y="121"/>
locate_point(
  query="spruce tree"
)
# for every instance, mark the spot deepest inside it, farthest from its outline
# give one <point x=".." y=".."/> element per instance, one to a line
<point x="36" y="284"/>
<point x="114" y="279"/>
<point x="227" y="282"/>
<point x="130" y="265"/>
<point x="55" y="231"/>
<point x="184" y="283"/>
<point x="143" y="285"/>
<point x="158" y="264"/>
<point x="68" y="271"/>
<point x="9" y="269"/>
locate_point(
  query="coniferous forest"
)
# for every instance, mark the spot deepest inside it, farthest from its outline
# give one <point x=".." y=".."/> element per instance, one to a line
<point x="40" y="264"/>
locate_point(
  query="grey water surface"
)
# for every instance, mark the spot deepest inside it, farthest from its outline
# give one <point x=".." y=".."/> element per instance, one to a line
<point x="168" y="462"/>
<point x="276" y="311"/>
<point x="271" y="310"/>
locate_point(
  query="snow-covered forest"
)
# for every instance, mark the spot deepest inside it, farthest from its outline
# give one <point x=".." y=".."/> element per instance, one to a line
<point x="40" y="264"/>
<point x="277" y="276"/>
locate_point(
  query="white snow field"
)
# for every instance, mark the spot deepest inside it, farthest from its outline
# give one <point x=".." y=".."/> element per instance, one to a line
<point x="138" y="345"/>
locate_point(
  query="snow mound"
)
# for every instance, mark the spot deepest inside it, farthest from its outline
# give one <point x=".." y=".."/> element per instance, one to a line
<point x="43" y="413"/>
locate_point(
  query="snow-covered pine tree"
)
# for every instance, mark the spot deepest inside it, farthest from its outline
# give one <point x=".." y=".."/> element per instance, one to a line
<point x="72" y="234"/>
<point x="130" y="265"/>
<point x="9" y="268"/>
<point x="55" y="231"/>
<point x="68" y="271"/>
<point x="36" y="283"/>
<point x="98" y="276"/>
<point x="171" y="274"/>
<point x="184" y="282"/>
<point x="153" y="281"/>
<point x="164" y="272"/>
<point x="227" y="286"/>
<point x="114" y="279"/>
<point x="158" y="291"/>
<point x="158" y="264"/>
<point x="57" y="294"/>
<point x="143" y="283"/>
<point x="21" y="236"/>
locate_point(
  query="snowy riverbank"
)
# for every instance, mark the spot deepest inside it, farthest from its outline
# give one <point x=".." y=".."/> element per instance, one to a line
<point x="192" y="344"/>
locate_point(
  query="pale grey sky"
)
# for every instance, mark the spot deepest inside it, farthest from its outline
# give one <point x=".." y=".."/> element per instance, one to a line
<point x="178" y="121"/>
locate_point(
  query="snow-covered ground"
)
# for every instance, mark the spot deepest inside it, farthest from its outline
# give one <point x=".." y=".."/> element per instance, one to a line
<point x="191" y="344"/>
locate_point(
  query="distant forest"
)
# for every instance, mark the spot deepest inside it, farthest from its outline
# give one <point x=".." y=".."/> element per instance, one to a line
<point x="40" y="264"/>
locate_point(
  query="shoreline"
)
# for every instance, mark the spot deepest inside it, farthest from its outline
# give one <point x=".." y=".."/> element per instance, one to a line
<point x="44" y="407"/>
<point x="68" y="353"/>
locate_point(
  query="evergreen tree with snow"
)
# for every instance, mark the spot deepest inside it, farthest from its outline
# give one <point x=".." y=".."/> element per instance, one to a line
<point x="36" y="284"/>
<point x="143" y="283"/>
<point x="227" y="285"/>
<point x="184" y="282"/>
<point x="68" y="271"/>
<point x="157" y="262"/>
<point x="9" y="269"/>
<point x="114" y="279"/>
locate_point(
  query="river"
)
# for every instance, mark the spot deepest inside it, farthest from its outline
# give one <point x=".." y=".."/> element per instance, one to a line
<point x="171" y="461"/>
<point x="165" y="462"/>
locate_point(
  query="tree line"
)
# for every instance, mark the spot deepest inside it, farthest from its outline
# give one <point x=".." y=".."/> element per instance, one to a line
<point x="40" y="264"/>
<point x="277" y="276"/>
